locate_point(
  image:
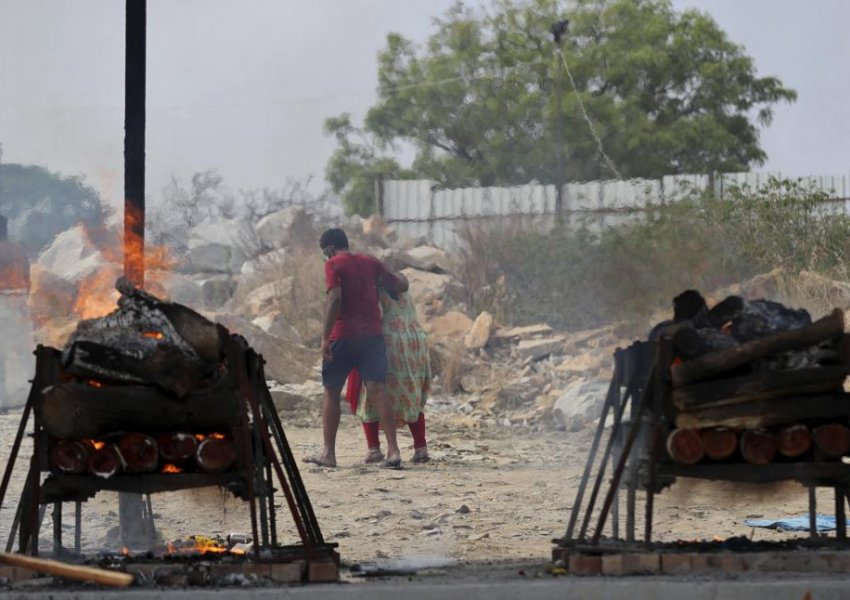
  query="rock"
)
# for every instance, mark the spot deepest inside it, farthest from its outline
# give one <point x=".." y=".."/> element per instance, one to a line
<point x="581" y="403"/>
<point x="221" y="247"/>
<point x="265" y="298"/>
<point x="766" y="285"/>
<point x="428" y="258"/>
<point x="286" y="362"/>
<point x="72" y="256"/>
<point x="374" y="226"/>
<point x="217" y="290"/>
<point x="274" y="324"/>
<point x="463" y="510"/>
<point x="266" y="263"/>
<point x="478" y="336"/>
<point x="288" y="398"/>
<point x="509" y="334"/>
<point x="431" y="291"/>
<point x="537" y="349"/>
<point x="453" y="324"/>
<point x="583" y="365"/>
<point x="17" y="365"/>
<point x="51" y="295"/>
<point x="176" y="287"/>
<point x="284" y="227"/>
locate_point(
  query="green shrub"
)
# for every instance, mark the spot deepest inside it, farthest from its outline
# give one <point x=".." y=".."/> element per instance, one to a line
<point x="579" y="278"/>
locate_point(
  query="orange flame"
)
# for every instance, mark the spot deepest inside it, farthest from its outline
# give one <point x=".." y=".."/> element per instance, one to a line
<point x="153" y="335"/>
<point x="98" y="444"/>
<point x="169" y="468"/>
<point x="199" y="544"/>
<point x="94" y="383"/>
<point x="125" y="551"/>
<point x="200" y="437"/>
<point x="217" y="436"/>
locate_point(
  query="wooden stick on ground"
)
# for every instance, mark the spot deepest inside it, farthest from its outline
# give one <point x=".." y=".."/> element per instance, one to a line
<point x="60" y="569"/>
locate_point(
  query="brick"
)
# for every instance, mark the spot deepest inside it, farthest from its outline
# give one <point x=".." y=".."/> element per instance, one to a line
<point x="676" y="563"/>
<point x="220" y="570"/>
<point x="322" y="572"/>
<point x="263" y="570"/>
<point x="731" y="563"/>
<point x="288" y="572"/>
<point x="631" y="563"/>
<point x="13" y="574"/>
<point x="561" y="554"/>
<point x="581" y="564"/>
<point x="839" y="562"/>
<point x="762" y="562"/>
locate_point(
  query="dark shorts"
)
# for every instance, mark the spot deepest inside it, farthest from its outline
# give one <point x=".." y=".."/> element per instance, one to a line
<point x="367" y="354"/>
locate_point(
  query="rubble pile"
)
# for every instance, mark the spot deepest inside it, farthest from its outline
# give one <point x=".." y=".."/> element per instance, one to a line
<point x="266" y="281"/>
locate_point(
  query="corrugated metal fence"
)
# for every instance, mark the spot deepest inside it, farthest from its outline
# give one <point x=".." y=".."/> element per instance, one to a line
<point x="420" y="209"/>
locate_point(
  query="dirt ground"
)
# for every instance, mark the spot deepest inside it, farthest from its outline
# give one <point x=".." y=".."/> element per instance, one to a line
<point x="488" y="494"/>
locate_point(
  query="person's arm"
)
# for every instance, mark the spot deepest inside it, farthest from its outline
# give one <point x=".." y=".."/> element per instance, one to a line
<point x="333" y="305"/>
<point x="395" y="282"/>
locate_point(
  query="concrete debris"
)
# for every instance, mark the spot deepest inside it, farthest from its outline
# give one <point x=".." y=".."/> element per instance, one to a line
<point x="479" y="334"/>
<point x="536" y="349"/>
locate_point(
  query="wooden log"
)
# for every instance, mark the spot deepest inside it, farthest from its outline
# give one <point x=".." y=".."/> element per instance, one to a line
<point x="139" y="451"/>
<point x="177" y="447"/>
<point x="66" y="571"/>
<point x="685" y="446"/>
<point x="763" y="385"/>
<point x="719" y="443"/>
<point x="832" y="440"/>
<point x="105" y="462"/>
<point x="767" y="413"/>
<point x="215" y="454"/>
<point x="827" y="328"/>
<point x="794" y="441"/>
<point x="758" y="446"/>
<point x="70" y="457"/>
<point x="74" y="410"/>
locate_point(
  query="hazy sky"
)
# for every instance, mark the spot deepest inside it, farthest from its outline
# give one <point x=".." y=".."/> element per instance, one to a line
<point x="243" y="87"/>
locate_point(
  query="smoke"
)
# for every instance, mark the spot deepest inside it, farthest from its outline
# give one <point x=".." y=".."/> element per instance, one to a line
<point x="17" y="364"/>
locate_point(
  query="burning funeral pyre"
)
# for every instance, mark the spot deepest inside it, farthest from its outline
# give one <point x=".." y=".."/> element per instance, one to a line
<point x="154" y="397"/>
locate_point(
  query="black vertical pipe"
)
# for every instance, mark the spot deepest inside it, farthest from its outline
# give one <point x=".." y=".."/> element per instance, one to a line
<point x="135" y="526"/>
<point x="134" y="142"/>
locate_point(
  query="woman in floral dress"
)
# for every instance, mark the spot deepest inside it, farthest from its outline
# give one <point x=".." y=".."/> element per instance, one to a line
<point x="408" y="378"/>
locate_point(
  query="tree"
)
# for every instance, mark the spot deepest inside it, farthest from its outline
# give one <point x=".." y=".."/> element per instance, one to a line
<point x="41" y="204"/>
<point x="667" y="92"/>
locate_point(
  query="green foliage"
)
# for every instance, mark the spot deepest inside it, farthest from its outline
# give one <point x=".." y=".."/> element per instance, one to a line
<point x="41" y="204"/>
<point x="668" y="93"/>
<point x="580" y="278"/>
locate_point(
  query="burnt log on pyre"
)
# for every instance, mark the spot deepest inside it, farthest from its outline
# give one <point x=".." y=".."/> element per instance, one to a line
<point x="758" y="382"/>
<point x="147" y="341"/>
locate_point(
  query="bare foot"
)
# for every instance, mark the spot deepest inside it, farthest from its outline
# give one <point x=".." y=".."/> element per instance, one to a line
<point x="374" y="456"/>
<point x="323" y="460"/>
<point x="420" y="455"/>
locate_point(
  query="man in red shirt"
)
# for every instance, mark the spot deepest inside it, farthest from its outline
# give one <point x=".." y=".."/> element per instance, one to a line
<point x="353" y="338"/>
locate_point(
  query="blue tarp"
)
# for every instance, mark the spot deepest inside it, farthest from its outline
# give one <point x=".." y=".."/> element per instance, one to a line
<point x="822" y="522"/>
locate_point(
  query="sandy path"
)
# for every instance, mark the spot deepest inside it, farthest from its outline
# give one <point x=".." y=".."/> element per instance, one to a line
<point x="488" y="494"/>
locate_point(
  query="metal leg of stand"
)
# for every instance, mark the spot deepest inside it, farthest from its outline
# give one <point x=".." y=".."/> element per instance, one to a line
<point x="813" y="506"/>
<point x="78" y="524"/>
<point x="57" y="528"/>
<point x="840" y="515"/>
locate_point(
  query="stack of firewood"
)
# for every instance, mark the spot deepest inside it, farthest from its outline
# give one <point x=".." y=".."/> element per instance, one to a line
<point x="757" y="382"/>
<point x="145" y="387"/>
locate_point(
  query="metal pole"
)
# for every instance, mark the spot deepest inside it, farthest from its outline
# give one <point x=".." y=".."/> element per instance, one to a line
<point x="135" y="523"/>
<point x="558" y="30"/>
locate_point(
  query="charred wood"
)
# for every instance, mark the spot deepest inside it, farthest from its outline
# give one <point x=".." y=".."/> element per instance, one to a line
<point x="708" y="365"/>
<point x="105" y="462"/>
<point x="139" y="451"/>
<point x="794" y="441"/>
<point x="177" y="447"/>
<point x="719" y="443"/>
<point x="831" y="440"/>
<point x="74" y="410"/>
<point x="215" y="454"/>
<point x="763" y="385"/>
<point x="70" y="457"/>
<point x="767" y="413"/>
<point x="758" y="446"/>
<point x="685" y="446"/>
